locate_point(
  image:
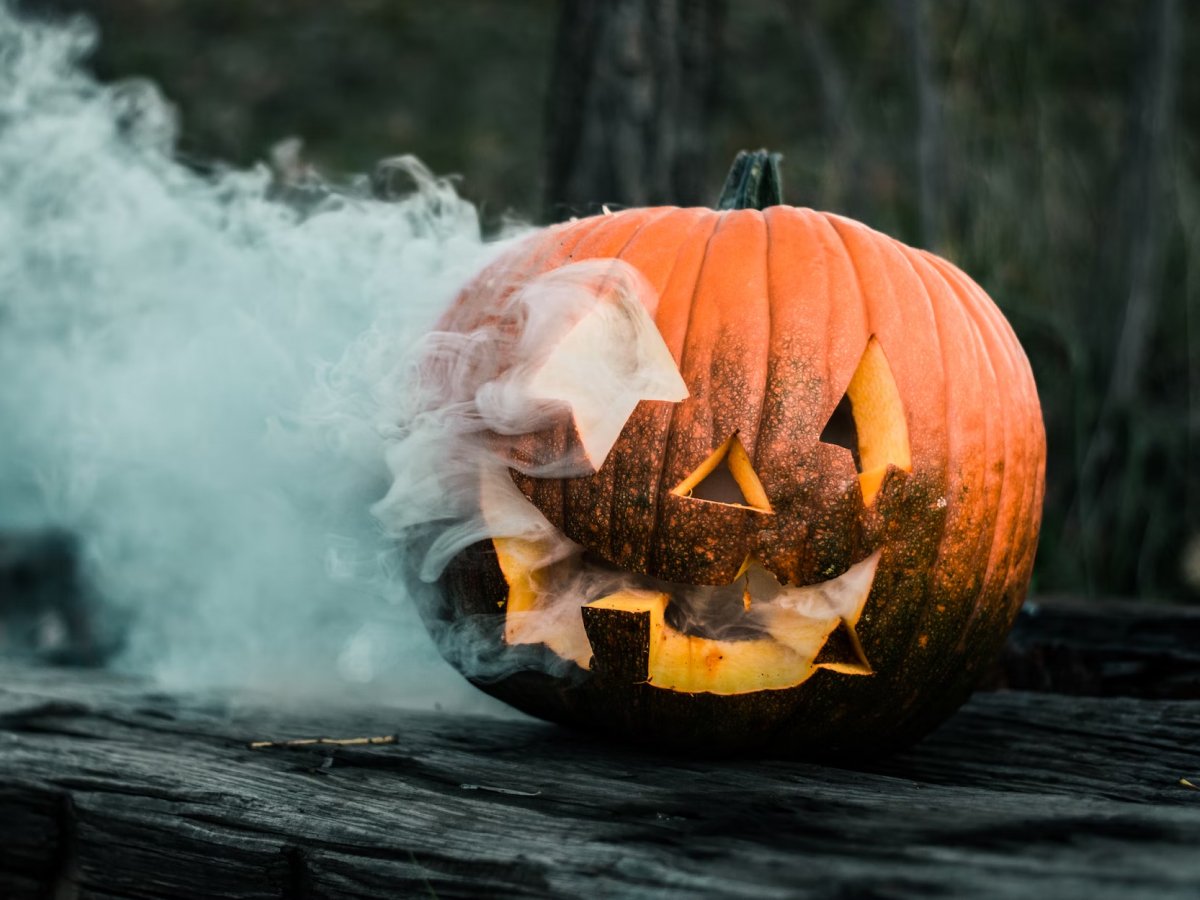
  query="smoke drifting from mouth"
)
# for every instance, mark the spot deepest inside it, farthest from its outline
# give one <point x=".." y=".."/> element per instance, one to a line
<point x="198" y="382"/>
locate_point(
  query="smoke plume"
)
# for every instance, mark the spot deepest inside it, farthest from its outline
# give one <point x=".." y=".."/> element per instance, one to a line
<point x="198" y="383"/>
<point x="243" y="409"/>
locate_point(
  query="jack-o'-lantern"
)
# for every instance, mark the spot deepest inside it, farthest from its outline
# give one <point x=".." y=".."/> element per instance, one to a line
<point x="816" y="544"/>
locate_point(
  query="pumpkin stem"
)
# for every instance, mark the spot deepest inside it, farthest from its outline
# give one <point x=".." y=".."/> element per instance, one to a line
<point x="754" y="181"/>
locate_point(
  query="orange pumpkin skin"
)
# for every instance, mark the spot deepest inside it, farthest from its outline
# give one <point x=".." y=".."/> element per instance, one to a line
<point x="767" y="314"/>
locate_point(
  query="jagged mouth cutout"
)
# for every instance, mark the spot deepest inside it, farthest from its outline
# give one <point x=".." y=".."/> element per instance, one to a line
<point x="771" y="635"/>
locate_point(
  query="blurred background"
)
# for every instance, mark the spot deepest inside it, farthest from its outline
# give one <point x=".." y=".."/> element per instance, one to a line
<point x="1049" y="149"/>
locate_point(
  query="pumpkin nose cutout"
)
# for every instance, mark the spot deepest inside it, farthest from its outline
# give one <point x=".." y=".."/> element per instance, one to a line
<point x="726" y="476"/>
<point x="869" y="421"/>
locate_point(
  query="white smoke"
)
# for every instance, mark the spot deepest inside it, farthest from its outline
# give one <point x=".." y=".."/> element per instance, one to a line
<point x="576" y="345"/>
<point x="537" y="374"/>
<point x="199" y="381"/>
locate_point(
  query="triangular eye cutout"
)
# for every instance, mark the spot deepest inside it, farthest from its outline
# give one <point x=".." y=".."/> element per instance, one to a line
<point x="870" y="422"/>
<point x="841" y="430"/>
<point x="726" y="476"/>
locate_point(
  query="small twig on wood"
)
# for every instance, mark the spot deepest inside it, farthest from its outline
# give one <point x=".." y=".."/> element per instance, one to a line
<point x="1187" y="783"/>
<point x="337" y="742"/>
<point x="499" y="790"/>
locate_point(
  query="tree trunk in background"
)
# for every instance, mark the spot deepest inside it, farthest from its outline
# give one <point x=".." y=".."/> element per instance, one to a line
<point x="629" y="103"/>
<point x="1115" y="454"/>
<point x="931" y="181"/>
<point x="843" y="181"/>
<point x="1147" y="193"/>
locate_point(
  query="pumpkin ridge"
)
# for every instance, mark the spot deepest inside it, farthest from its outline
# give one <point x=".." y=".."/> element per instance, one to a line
<point x="513" y="272"/>
<point x="720" y="368"/>
<point x="954" y="618"/>
<point x="640" y="526"/>
<point x="1014" y="455"/>
<point x="750" y="228"/>
<point x="769" y="355"/>
<point x="593" y="244"/>
<point x="1034" y="436"/>
<point x="600" y="251"/>
<point x="874" y="255"/>
<point x="615" y="534"/>
<point x="981" y="365"/>
<point x="987" y="368"/>
<point x="817" y="223"/>
<point x="719" y="219"/>
<point x="1004" y="341"/>
<point x="836" y="389"/>
<point x="804" y="284"/>
<point x="834" y="222"/>
<point x="1017" y="538"/>
<point x="564" y="254"/>
<point x="591" y="491"/>
<point x="886" y="616"/>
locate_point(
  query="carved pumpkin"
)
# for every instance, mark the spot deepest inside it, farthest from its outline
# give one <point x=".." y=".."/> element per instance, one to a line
<point x="821" y="546"/>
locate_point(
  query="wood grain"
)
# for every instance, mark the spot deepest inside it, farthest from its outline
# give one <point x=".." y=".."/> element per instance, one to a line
<point x="110" y="790"/>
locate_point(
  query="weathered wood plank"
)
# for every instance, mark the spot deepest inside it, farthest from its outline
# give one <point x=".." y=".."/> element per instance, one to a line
<point x="1115" y="648"/>
<point x="109" y="790"/>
